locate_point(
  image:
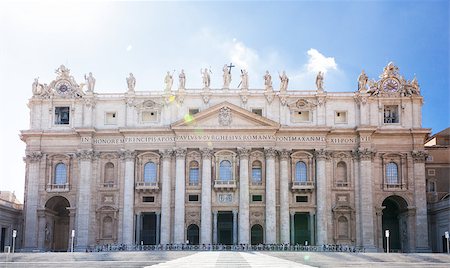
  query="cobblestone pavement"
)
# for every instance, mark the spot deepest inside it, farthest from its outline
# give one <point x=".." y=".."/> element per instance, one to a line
<point x="222" y="259"/>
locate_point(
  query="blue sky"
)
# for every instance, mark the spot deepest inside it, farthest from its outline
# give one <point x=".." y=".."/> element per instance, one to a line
<point x="112" y="39"/>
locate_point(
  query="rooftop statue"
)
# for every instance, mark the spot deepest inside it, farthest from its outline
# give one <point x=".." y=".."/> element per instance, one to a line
<point x="362" y="81"/>
<point x="182" y="80"/>
<point x="226" y="76"/>
<point x="168" y="81"/>
<point x="319" y="81"/>
<point x="131" y="82"/>
<point x="244" y="79"/>
<point x="284" y="80"/>
<point x="268" y="81"/>
<point x="90" y="82"/>
<point x="205" y="77"/>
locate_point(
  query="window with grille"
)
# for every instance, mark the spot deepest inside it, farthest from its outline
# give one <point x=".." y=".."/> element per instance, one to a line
<point x="225" y="170"/>
<point x="193" y="173"/>
<point x="300" y="171"/>
<point x="60" y="174"/>
<point x="391" y="114"/>
<point x="150" y="172"/>
<point x="256" y="172"/>
<point x="109" y="173"/>
<point x="392" y="173"/>
<point x="62" y="115"/>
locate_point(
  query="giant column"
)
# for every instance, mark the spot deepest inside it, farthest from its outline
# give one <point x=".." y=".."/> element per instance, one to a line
<point x="321" y="193"/>
<point x="271" y="213"/>
<point x="420" y="200"/>
<point x="180" y="185"/>
<point x="244" y="215"/>
<point x="165" y="196"/>
<point x="205" y="217"/>
<point x="366" y="208"/>
<point x="84" y="197"/>
<point x="31" y="200"/>
<point x="284" y="196"/>
<point x="128" y="197"/>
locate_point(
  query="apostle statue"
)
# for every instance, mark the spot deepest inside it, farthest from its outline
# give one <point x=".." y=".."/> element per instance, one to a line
<point x="226" y="76"/>
<point x="319" y="81"/>
<point x="268" y="81"/>
<point x="131" y="82"/>
<point x="168" y="81"/>
<point x="90" y="82"/>
<point x="284" y="80"/>
<point x="244" y="79"/>
<point x="205" y="77"/>
<point x="362" y="81"/>
<point x="182" y="80"/>
<point x="36" y="87"/>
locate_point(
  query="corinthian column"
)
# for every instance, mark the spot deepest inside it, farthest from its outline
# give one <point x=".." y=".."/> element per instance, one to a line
<point x="271" y="213"/>
<point x="420" y="201"/>
<point x="205" y="217"/>
<point x="366" y="210"/>
<point x="165" y="196"/>
<point x="180" y="186"/>
<point x="31" y="199"/>
<point x="284" y="196"/>
<point x="321" y="190"/>
<point x="244" y="215"/>
<point x="84" y="197"/>
<point x="128" y="196"/>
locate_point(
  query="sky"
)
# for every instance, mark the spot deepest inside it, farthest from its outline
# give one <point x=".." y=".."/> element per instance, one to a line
<point x="112" y="39"/>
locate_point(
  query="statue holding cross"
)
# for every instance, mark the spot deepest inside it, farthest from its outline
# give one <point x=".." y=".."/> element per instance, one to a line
<point x="227" y="75"/>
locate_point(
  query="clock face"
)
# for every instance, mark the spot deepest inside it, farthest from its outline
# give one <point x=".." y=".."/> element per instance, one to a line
<point x="63" y="87"/>
<point x="390" y="85"/>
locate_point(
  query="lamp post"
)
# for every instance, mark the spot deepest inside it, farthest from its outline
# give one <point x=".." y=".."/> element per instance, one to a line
<point x="15" y="235"/>
<point x="446" y="237"/>
<point x="386" y="233"/>
<point x="71" y="242"/>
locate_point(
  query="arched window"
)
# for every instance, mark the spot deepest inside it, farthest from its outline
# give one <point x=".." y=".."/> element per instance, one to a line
<point x="193" y="173"/>
<point x="256" y="172"/>
<point x="300" y="171"/>
<point x="341" y="172"/>
<point x="392" y="173"/>
<point x="150" y="172"/>
<point x="342" y="227"/>
<point x="60" y="174"/>
<point x="109" y="173"/>
<point x="225" y="170"/>
<point x="107" y="227"/>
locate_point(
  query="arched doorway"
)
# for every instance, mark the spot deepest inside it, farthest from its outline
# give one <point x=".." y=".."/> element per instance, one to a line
<point x="192" y="234"/>
<point x="57" y="224"/>
<point x="257" y="234"/>
<point x="395" y="219"/>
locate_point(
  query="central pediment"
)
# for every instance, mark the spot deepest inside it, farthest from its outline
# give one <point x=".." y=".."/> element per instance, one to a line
<point x="225" y="116"/>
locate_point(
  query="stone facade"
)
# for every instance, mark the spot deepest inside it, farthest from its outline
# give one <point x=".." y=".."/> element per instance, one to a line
<point x="226" y="166"/>
<point x="11" y="218"/>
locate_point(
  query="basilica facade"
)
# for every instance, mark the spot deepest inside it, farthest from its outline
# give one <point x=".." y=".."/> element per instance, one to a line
<point x="226" y="166"/>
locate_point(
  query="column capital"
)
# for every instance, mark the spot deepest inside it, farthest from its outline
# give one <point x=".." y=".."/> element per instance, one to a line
<point x="292" y="213"/>
<point x="87" y="154"/>
<point x="235" y="212"/>
<point x="270" y="152"/>
<point x="284" y="154"/>
<point x="206" y="152"/>
<point x="127" y="154"/>
<point x="166" y="154"/>
<point x="34" y="156"/>
<point x="419" y="156"/>
<point x="243" y="152"/>
<point x="364" y="154"/>
<point x="322" y="154"/>
<point x="180" y="152"/>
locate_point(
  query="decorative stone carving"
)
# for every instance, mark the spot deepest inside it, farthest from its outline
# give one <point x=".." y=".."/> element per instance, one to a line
<point x="360" y="99"/>
<point x="166" y="154"/>
<point x="321" y="100"/>
<point x="270" y="152"/>
<point x="180" y="96"/>
<point x="321" y="154"/>
<point x="364" y="154"/>
<point x="89" y="102"/>
<point x="206" y="153"/>
<point x="85" y="154"/>
<point x="225" y="198"/>
<point x="127" y="155"/>
<point x="283" y="98"/>
<point x="243" y="152"/>
<point x="244" y="96"/>
<point x="206" y="96"/>
<point x="284" y="154"/>
<point x="419" y="156"/>
<point x="225" y="116"/>
<point x="33" y="156"/>
<point x="64" y="86"/>
<point x="180" y="152"/>
<point x="270" y="95"/>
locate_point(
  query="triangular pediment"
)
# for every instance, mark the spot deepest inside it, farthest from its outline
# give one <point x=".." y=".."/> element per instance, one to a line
<point x="225" y="116"/>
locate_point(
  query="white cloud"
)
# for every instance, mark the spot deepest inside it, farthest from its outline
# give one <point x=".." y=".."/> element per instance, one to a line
<point x="129" y="47"/>
<point x="318" y="62"/>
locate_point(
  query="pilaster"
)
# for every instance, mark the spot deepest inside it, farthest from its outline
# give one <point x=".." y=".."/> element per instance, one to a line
<point x="284" y="196"/>
<point x="244" y="210"/>
<point x="271" y="214"/>
<point x="321" y="191"/>
<point x="180" y="181"/>
<point x="205" y="217"/>
<point x="128" y="157"/>
<point x="165" y="196"/>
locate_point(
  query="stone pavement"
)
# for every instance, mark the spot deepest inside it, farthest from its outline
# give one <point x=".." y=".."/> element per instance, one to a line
<point x="223" y="259"/>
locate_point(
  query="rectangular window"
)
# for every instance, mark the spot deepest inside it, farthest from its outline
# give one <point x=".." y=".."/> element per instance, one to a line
<point x="300" y="116"/>
<point x="301" y="199"/>
<point x="148" y="199"/>
<point x="193" y="198"/>
<point x="149" y="116"/>
<point x="256" y="198"/>
<point x="61" y="115"/>
<point x="340" y="117"/>
<point x="193" y="111"/>
<point x="111" y="118"/>
<point x="431" y="172"/>
<point x="431" y="186"/>
<point x="391" y="114"/>
<point x="257" y="111"/>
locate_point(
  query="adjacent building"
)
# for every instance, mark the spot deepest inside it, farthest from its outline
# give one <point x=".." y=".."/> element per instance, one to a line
<point x="226" y="166"/>
<point x="11" y="219"/>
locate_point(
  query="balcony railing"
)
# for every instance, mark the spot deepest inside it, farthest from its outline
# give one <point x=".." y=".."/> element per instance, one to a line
<point x="108" y="185"/>
<point x="225" y="184"/>
<point x="394" y="186"/>
<point x="51" y="187"/>
<point x="303" y="186"/>
<point x="341" y="184"/>
<point x="150" y="186"/>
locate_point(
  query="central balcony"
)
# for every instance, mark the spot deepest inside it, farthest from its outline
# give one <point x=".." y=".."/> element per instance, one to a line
<point x="303" y="186"/>
<point x="64" y="187"/>
<point x="225" y="185"/>
<point x="147" y="186"/>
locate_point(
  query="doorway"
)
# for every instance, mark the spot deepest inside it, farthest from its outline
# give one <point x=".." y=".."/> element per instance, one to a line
<point x="57" y="224"/>
<point x="257" y="235"/>
<point x="225" y="227"/>
<point x="301" y="228"/>
<point x="148" y="231"/>
<point x="192" y="234"/>
<point x="395" y="220"/>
